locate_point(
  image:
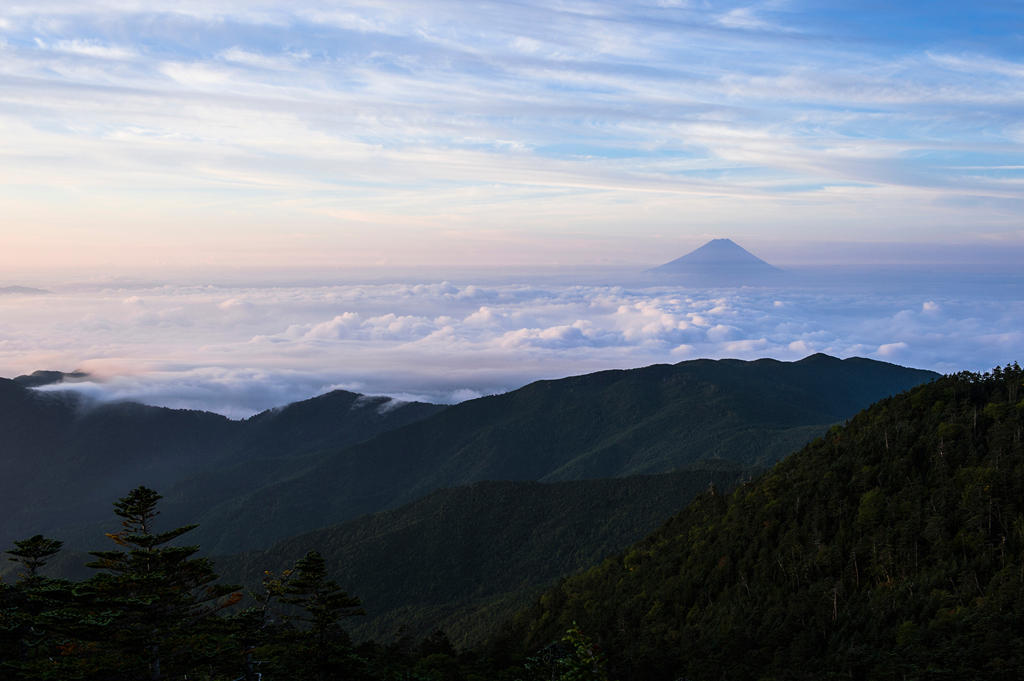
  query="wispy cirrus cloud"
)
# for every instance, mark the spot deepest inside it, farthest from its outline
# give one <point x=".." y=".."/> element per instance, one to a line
<point x="91" y="48"/>
<point x="240" y="119"/>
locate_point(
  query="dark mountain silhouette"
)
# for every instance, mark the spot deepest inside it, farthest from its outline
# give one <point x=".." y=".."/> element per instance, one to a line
<point x="40" y="378"/>
<point x="63" y="457"/>
<point x="720" y="262"/>
<point x="608" y="424"/>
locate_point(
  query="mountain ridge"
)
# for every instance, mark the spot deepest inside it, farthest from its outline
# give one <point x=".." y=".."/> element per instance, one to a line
<point x="607" y="424"/>
<point x="295" y="469"/>
<point x="24" y="291"/>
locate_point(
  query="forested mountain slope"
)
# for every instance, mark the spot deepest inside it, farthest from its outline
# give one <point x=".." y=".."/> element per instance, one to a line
<point x="63" y="457"/>
<point x="891" y="548"/>
<point x="608" y="424"/>
<point x="464" y="559"/>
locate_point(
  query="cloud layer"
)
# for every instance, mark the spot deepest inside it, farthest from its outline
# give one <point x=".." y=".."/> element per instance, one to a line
<point x="238" y="351"/>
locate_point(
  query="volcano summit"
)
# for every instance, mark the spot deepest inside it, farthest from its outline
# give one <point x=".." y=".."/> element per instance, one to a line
<point x="719" y="262"/>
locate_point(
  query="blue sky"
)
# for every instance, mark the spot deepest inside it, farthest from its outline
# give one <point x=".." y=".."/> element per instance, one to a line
<point x="251" y="135"/>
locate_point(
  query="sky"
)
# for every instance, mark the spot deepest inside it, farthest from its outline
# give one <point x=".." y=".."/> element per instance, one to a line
<point x="239" y="204"/>
<point x="226" y="135"/>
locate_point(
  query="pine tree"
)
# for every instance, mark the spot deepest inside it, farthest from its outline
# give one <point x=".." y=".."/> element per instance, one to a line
<point x="149" y="613"/>
<point x="322" y="649"/>
<point x="31" y="553"/>
<point x="26" y="643"/>
<point x="256" y="632"/>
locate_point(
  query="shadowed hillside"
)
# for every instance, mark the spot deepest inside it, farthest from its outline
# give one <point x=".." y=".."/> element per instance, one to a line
<point x="607" y="424"/>
<point x="891" y="548"/>
<point x="463" y="559"/>
<point x="64" y="456"/>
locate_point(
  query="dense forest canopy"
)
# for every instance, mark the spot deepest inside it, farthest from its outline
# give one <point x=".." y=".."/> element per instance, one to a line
<point x="891" y="548"/>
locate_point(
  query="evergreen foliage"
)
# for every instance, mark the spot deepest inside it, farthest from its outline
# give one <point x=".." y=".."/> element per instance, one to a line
<point x="576" y="658"/>
<point x="321" y="650"/>
<point x="891" y="548"/>
<point x="144" y="617"/>
<point x="155" y="613"/>
<point x="30" y="553"/>
<point x="23" y="605"/>
<point x="155" y="600"/>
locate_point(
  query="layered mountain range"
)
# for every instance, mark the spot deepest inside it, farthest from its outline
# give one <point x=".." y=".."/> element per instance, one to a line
<point x="474" y="507"/>
<point x="330" y="459"/>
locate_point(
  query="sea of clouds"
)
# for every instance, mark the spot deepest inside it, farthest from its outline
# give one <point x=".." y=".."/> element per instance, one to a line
<point x="240" y="350"/>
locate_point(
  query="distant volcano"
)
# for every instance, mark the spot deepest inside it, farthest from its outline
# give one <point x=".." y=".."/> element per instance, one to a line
<point x="719" y="262"/>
